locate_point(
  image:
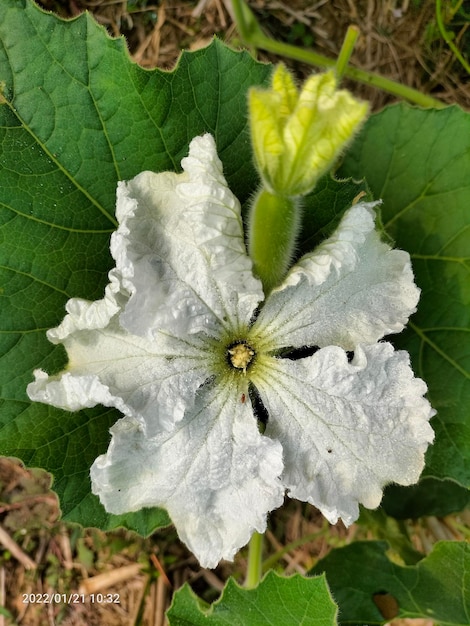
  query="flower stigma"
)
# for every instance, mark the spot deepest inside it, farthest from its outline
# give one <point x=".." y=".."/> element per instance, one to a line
<point x="240" y="356"/>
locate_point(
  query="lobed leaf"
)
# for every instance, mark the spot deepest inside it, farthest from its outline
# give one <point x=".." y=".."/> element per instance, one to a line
<point x="371" y="589"/>
<point x="276" y="601"/>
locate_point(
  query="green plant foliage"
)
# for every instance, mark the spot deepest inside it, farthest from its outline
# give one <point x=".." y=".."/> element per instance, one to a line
<point x="324" y="208"/>
<point x="276" y="601"/>
<point x="429" y="497"/>
<point x="76" y="116"/>
<point x="418" y="162"/>
<point x="370" y="589"/>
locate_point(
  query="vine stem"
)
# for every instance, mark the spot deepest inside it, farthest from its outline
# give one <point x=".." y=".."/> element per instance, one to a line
<point x="253" y="37"/>
<point x="254" y="569"/>
<point x="346" y="51"/>
<point x="445" y="35"/>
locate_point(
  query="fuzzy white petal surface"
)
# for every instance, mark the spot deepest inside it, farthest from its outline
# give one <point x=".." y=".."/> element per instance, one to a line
<point x="347" y="429"/>
<point x="83" y="314"/>
<point x="181" y="252"/>
<point x="72" y="393"/>
<point x="154" y="381"/>
<point x="215" y="474"/>
<point x="352" y="289"/>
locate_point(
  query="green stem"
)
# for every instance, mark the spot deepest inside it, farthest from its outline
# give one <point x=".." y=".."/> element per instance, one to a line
<point x="346" y="51"/>
<point x="445" y="35"/>
<point x="274" y="224"/>
<point x="247" y="23"/>
<point x="255" y="552"/>
<point x="253" y="36"/>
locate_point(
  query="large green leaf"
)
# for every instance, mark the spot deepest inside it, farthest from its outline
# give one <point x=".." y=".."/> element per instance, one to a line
<point x="370" y="589"/>
<point x="324" y="208"/>
<point x="419" y="163"/>
<point x="276" y="601"/>
<point x="76" y="116"/>
<point x="430" y="496"/>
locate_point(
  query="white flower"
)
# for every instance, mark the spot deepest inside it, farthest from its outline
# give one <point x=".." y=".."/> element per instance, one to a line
<point x="180" y="338"/>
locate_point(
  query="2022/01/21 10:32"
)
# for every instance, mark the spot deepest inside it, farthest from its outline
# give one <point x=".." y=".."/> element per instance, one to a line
<point x="71" y="598"/>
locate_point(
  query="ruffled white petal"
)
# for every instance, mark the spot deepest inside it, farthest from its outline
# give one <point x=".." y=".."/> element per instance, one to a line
<point x="153" y="381"/>
<point x="181" y="252"/>
<point x="352" y="289"/>
<point x="215" y="474"/>
<point x="72" y="393"/>
<point x="347" y="429"/>
<point x="83" y="314"/>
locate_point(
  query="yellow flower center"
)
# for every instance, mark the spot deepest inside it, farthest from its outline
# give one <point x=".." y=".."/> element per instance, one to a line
<point x="240" y="356"/>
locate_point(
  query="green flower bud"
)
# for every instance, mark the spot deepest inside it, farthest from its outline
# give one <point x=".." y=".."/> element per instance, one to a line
<point x="297" y="136"/>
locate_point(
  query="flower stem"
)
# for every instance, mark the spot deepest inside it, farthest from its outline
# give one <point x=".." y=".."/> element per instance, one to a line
<point x="255" y="550"/>
<point x="274" y="224"/>
<point x="252" y="35"/>
<point x="445" y="35"/>
<point x="346" y="51"/>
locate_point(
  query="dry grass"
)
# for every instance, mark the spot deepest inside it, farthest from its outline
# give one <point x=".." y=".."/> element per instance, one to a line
<point x="44" y="556"/>
<point x="40" y="554"/>
<point x="398" y="38"/>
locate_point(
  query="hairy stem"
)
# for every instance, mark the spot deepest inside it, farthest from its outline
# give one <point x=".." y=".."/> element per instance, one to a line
<point x="274" y="224"/>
